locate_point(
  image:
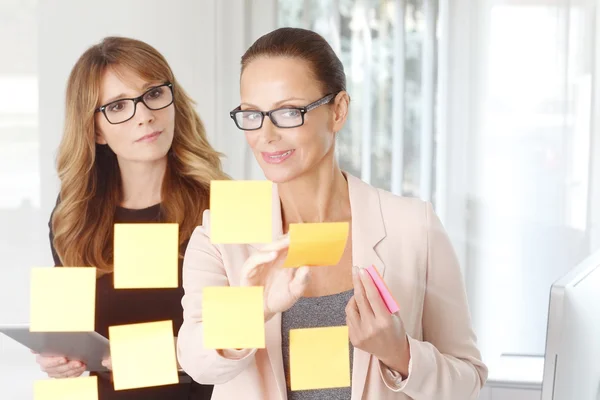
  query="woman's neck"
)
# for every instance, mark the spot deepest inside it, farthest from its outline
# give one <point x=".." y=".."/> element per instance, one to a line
<point x="141" y="183"/>
<point x="317" y="196"/>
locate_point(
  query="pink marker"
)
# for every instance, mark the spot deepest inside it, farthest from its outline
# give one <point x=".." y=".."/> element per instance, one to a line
<point x="383" y="290"/>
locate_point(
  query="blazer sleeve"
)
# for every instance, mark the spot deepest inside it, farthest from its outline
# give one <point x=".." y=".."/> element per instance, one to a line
<point x="203" y="267"/>
<point x="447" y="363"/>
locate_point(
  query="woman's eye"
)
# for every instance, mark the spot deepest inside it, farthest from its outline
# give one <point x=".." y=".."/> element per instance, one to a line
<point x="291" y="113"/>
<point x="252" y="116"/>
<point x="154" y="94"/>
<point x="116" y="107"/>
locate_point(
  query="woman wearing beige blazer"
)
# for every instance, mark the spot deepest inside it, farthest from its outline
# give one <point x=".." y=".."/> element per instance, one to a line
<point x="427" y="350"/>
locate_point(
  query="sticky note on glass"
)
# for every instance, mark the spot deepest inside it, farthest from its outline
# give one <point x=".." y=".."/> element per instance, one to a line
<point x="384" y="291"/>
<point x="62" y="299"/>
<point x="316" y="244"/>
<point x="83" y="388"/>
<point x="143" y="355"/>
<point x="319" y="358"/>
<point x="241" y="212"/>
<point x="233" y="317"/>
<point x="146" y="256"/>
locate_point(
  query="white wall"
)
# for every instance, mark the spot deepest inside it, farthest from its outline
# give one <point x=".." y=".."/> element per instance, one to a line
<point x="595" y="149"/>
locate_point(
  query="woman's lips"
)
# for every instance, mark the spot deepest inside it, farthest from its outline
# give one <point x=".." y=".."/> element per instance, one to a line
<point x="277" y="157"/>
<point x="149" y="137"/>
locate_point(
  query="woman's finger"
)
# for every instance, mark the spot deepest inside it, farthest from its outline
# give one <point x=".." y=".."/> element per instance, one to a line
<point x="352" y="319"/>
<point x="107" y="363"/>
<point x="277" y="245"/>
<point x="352" y="312"/>
<point x="49" y="362"/>
<point x="64" y="369"/>
<point x="281" y="256"/>
<point x="74" y="372"/>
<point x="364" y="307"/>
<point x="374" y="298"/>
<point x="255" y="261"/>
<point x="299" y="281"/>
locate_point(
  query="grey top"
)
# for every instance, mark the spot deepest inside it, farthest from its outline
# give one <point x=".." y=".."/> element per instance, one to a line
<point x="314" y="312"/>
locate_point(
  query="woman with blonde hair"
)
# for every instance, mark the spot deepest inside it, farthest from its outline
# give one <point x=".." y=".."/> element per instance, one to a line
<point x="133" y="150"/>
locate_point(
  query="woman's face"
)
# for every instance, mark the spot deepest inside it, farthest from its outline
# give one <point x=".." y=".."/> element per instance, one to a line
<point x="147" y="137"/>
<point x="284" y="154"/>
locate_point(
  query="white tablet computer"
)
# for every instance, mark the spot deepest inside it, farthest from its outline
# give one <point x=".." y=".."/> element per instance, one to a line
<point x="88" y="347"/>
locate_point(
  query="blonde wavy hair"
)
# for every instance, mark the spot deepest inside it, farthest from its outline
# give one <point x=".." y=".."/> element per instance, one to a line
<point x="90" y="189"/>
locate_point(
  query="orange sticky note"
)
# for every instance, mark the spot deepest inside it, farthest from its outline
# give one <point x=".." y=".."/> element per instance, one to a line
<point x="319" y="358"/>
<point x="146" y="256"/>
<point x="241" y="211"/>
<point x="233" y="317"/>
<point x="143" y="355"/>
<point x="83" y="388"/>
<point x="62" y="299"/>
<point x="316" y="244"/>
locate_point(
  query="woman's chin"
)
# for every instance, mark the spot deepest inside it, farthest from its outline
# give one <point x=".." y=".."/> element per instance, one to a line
<point x="278" y="175"/>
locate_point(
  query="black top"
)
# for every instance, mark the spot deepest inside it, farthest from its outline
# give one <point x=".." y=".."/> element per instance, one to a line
<point x="131" y="306"/>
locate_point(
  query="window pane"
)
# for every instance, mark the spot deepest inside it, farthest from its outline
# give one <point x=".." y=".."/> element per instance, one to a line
<point x="362" y="34"/>
<point x="415" y="27"/>
<point x="529" y="163"/>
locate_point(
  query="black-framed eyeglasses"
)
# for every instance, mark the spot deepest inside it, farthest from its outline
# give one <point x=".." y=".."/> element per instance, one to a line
<point x="122" y="110"/>
<point x="285" y="117"/>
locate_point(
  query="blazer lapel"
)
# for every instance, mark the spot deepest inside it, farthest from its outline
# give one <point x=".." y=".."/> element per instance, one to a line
<point x="368" y="230"/>
<point x="273" y="343"/>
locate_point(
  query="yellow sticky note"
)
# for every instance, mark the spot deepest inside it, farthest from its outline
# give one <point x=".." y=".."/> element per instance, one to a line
<point x="83" y="388"/>
<point x="143" y="355"/>
<point x="241" y="211"/>
<point x="319" y="358"/>
<point x="62" y="299"/>
<point x="146" y="256"/>
<point x="316" y="244"/>
<point x="233" y="317"/>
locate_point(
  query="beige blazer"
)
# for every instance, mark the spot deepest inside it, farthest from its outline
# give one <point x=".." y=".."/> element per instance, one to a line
<point x="406" y="241"/>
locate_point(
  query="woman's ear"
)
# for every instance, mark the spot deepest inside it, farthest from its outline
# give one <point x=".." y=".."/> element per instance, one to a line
<point x="100" y="138"/>
<point x="341" y="105"/>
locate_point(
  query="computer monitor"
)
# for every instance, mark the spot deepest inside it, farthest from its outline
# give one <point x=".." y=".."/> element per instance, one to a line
<point x="572" y="360"/>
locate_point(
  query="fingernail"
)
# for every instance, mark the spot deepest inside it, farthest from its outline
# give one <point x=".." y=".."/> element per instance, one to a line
<point x="77" y="364"/>
<point x="354" y="270"/>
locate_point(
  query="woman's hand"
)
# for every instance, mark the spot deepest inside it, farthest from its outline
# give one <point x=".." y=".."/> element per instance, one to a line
<point x="60" y="367"/>
<point x="283" y="286"/>
<point x="371" y="326"/>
